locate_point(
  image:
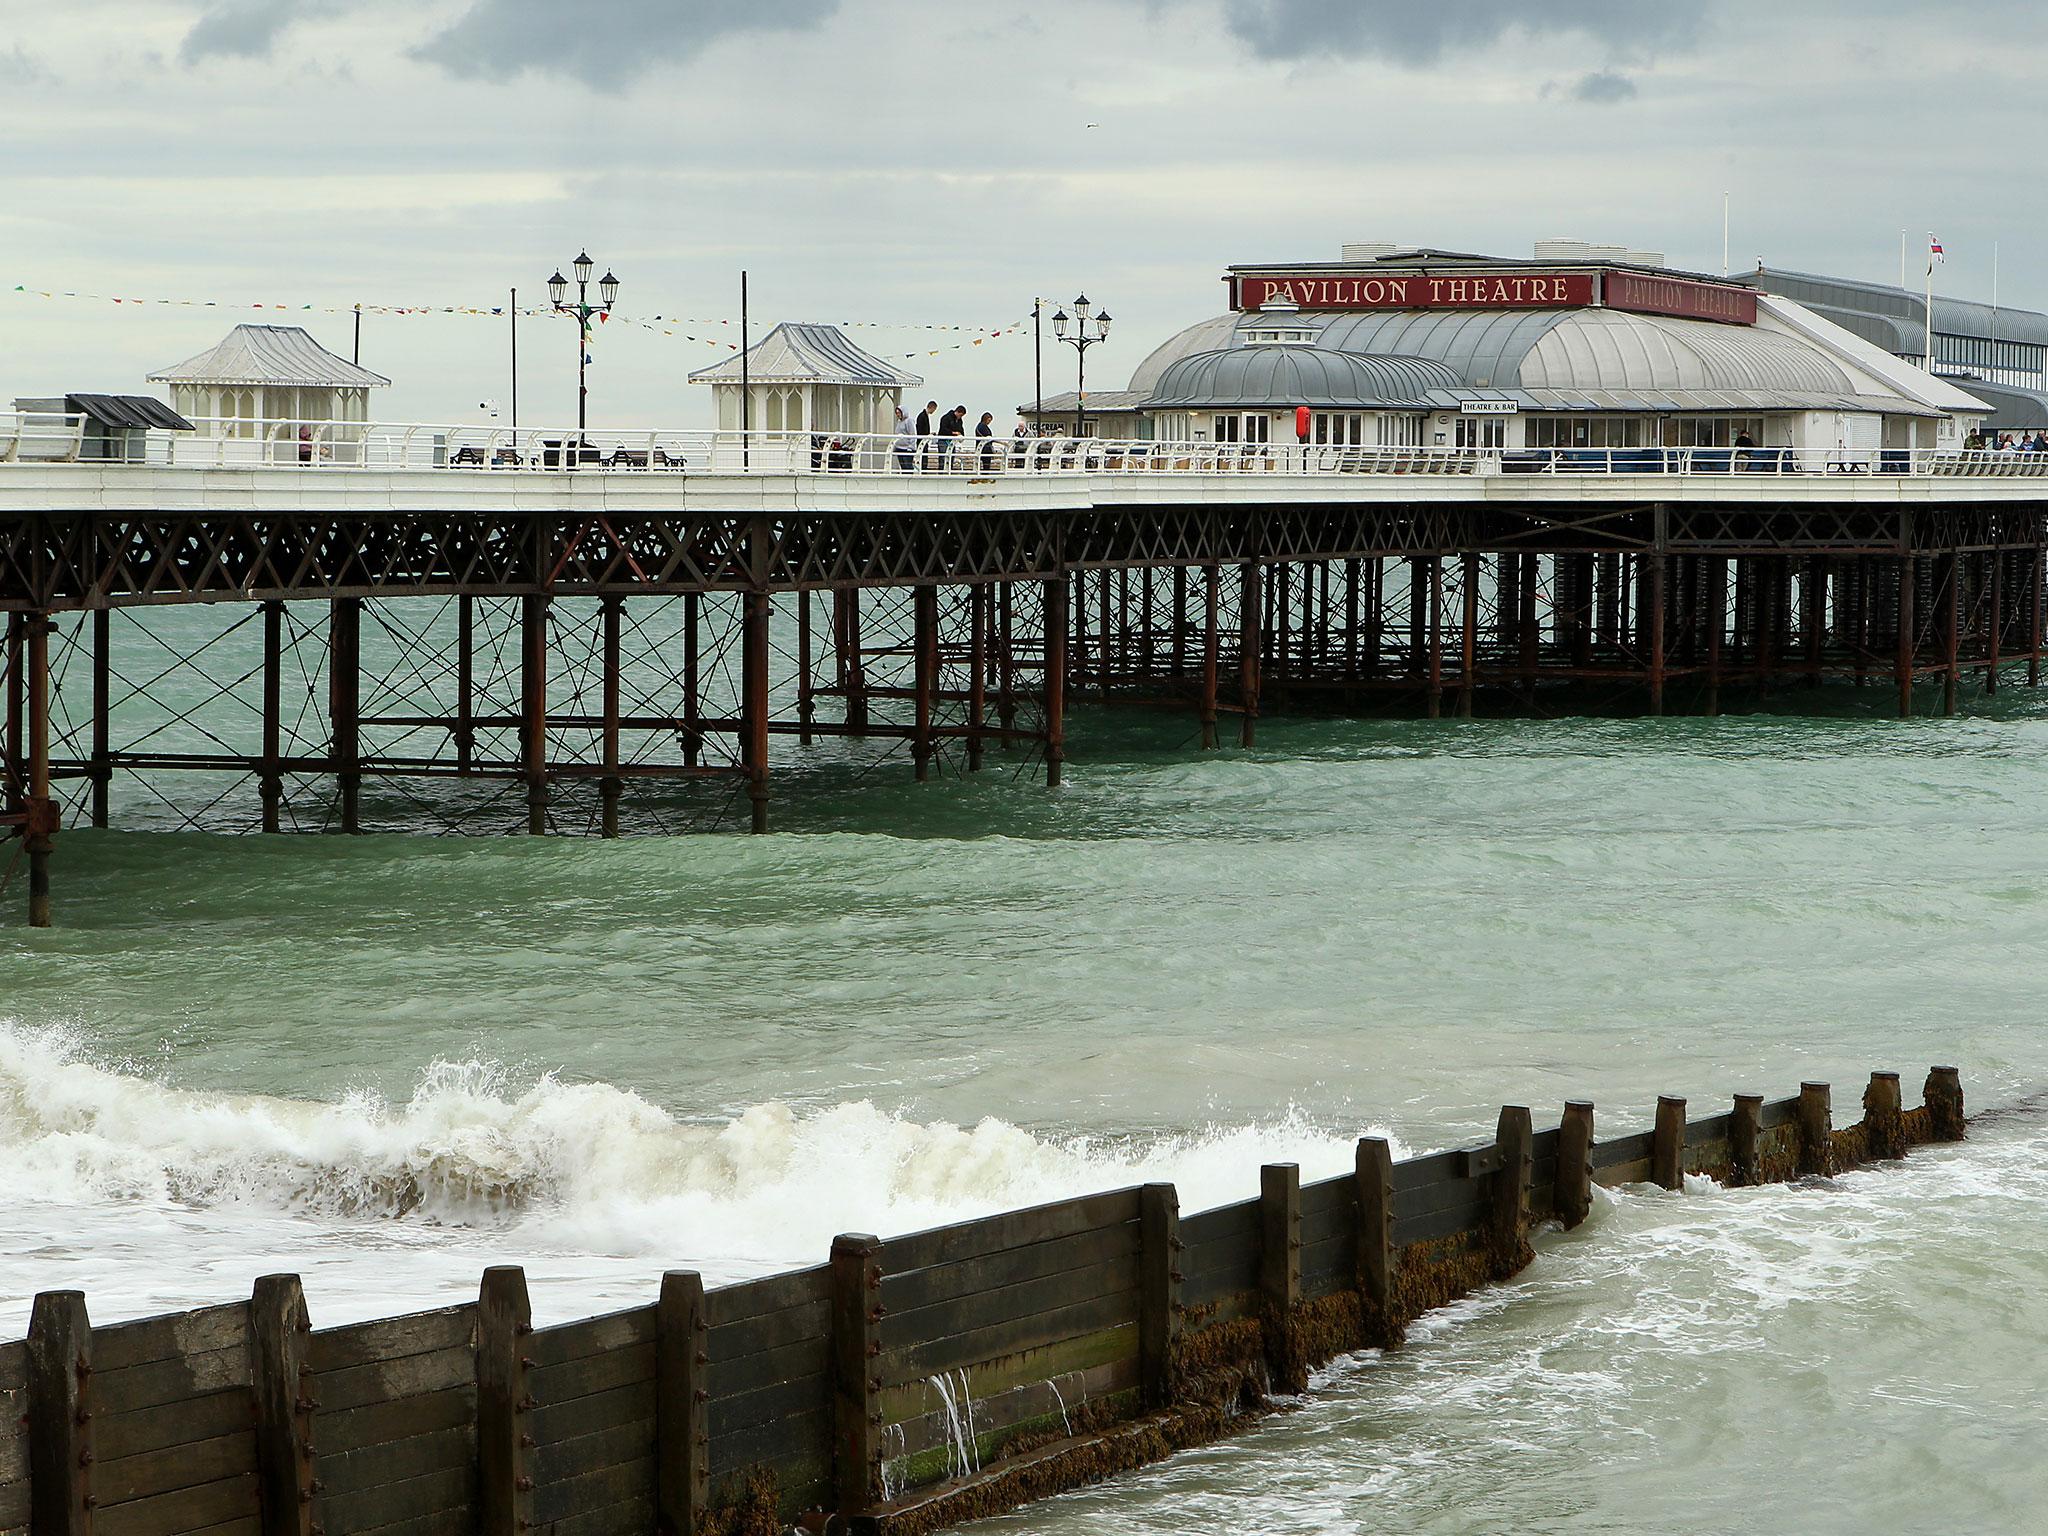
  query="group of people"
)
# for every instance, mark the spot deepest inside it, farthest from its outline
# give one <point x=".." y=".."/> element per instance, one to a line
<point x="937" y="440"/>
<point x="1980" y="441"/>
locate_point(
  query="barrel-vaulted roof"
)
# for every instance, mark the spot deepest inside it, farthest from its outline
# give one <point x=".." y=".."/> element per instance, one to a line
<point x="1607" y="349"/>
<point x="283" y="356"/>
<point x="1300" y="375"/>
<point x="807" y="354"/>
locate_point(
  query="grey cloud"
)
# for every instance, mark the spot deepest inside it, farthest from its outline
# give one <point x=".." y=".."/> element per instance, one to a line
<point x="18" y="68"/>
<point x="609" y="40"/>
<point x="1411" y="33"/>
<point x="1603" y="87"/>
<point x="239" y="29"/>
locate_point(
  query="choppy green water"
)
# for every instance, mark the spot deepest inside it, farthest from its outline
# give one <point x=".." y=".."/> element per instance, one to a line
<point x="388" y="1060"/>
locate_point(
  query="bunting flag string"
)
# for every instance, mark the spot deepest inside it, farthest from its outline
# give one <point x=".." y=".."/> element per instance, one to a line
<point x="666" y="325"/>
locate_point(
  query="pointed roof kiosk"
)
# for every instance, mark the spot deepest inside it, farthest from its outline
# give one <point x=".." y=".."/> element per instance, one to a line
<point x="808" y="378"/>
<point x="269" y="373"/>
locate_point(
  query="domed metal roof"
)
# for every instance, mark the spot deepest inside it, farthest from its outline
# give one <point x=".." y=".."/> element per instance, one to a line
<point x="1300" y="375"/>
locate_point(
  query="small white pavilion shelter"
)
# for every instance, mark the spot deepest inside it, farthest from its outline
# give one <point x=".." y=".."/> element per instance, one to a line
<point x="269" y="373"/>
<point x="808" y="378"/>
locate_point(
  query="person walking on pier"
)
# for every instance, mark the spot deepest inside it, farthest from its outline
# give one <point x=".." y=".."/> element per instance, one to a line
<point x="984" y="429"/>
<point x="927" y="420"/>
<point x="952" y="427"/>
<point x="905" y="446"/>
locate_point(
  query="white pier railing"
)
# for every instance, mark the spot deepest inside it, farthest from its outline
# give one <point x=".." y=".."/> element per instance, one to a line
<point x="240" y="443"/>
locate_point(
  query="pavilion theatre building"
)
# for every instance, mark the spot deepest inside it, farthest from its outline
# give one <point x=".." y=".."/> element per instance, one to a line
<point x="1581" y="347"/>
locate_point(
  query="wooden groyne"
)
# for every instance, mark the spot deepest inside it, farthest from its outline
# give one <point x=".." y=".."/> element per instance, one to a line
<point x="901" y="1387"/>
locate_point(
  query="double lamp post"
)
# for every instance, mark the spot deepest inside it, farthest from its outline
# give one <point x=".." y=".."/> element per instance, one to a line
<point x="583" y="310"/>
<point x="1082" y="339"/>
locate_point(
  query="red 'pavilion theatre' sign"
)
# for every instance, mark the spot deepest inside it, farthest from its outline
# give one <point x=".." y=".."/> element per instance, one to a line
<point x="1418" y="290"/>
<point x="1683" y="297"/>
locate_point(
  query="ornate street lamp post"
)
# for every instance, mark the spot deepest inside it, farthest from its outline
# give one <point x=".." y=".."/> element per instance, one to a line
<point x="583" y="309"/>
<point x="1081" y="341"/>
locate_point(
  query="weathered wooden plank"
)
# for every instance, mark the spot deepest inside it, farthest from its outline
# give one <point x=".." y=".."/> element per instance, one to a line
<point x="593" y="1374"/>
<point x="399" y="1419"/>
<point x="1338" y="1221"/>
<point x="388" y="1503"/>
<point x="1635" y="1171"/>
<point x="169" y="1337"/>
<point x="13" y="1366"/>
<point x="1159" y="1303"/>
<point x="187" y="1509"/>
<point x="1443" y="1195"/>
<point x="1058" y="1256"/>
<point x="169" y="1424"/>
<point x="504" y="1324"/>
<point x="565" y="1461"/>
<point x="459" y="1521"/>
<point x="1221" y="1224"/>
<point x="806" y="1358"/>
<point x="13" y="1437"/>
<point x="246" y="1526"/>
<point x="1667" y="1143"/>
<point x="782" y="1399"/>
<point x="1622" y="1149"/>
<point x="610" y="1484"/>
<point x="988" y="1309"/>
<point x="1012" y="1229"/>
<point x="397" y="1461"/>
<point x="1545" y="1143"/>
<point x="1777" y="1112"/>
<point x="1706" y="1131"/>
<point x="120" y="1479"/>
<point x="769" y="1330"/>
<point x="1015" y="1405"/>
<point x="169" y="1381"/>
<point x="15" y="1506"/>
<point x="994" y="1376"/>
<point x="384" y="1380"/>
<point x="1470" y="1217"/>
<point x="591" y="1336"/>
<point x="628" y="1517"/>
<point x="587" y="1415"/>
<point x="416" y="1333"/>
<point x="1334" y="1194"/>
<point x="1329" y="1265"/>
<point x="1431" y="1168"/>
<point x="773" y="1293"/>
<point x="1372" y="1182"/>
<point x="1201" y="1287"/>
<point x="929" y="1357"/>
<point x="809" y="1435"/>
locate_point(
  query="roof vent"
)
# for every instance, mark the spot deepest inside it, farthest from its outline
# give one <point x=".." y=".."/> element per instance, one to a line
<point x="1643" y="258"/>
<point x="1562" y="250"/>
<point x="1369" y="250"/>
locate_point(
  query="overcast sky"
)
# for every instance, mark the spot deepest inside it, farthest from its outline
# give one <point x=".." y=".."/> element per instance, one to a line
<point x="912" y="164"/>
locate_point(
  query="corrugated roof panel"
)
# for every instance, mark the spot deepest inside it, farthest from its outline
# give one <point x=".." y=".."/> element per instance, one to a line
<point x="795" y="353"/>
<point x="283" y="356"/>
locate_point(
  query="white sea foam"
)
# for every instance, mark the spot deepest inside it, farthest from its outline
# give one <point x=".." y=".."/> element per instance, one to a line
<point x="551" y="1168"/>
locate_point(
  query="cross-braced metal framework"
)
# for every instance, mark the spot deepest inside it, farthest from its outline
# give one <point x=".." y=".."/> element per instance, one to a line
<point x="620" y="670"/>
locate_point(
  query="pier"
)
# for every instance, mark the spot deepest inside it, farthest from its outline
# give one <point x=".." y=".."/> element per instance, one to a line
<point x="563" y="633"/>
<point x="902" y="1386"/>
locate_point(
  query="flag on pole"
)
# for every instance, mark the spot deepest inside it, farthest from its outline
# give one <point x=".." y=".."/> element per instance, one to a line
<point x="1934" y="251"/>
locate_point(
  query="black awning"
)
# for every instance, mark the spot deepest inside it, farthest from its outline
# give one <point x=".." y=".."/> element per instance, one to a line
<point x="133" y="411"/>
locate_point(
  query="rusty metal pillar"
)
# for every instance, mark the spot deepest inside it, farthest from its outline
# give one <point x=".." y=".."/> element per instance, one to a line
<point x="2035" y="616"/>
<point x="806" y="704"/>
<point x="1055" y="594"/>
<point x="100" y="770"/>
<point x="465" y="683"/>
<point x="270" y="782"/>
<point x="924" y="606"/>
<point x="1531" y="636"/>
<point x="1952" y="605"/>
<point x="612" y="785"/>
<point x="1813" y="604"/>
<point x="1006" y="659"/>
<point x="1375" y="613"/>
<point x="533" y="708"/>
<point x="1436" y="636"/>
<point x="978" y="615"/>
<point x="1858" y="623"/>
<point x="1102" y="633"/>
<point x="40" y="828"/>
<point x="1351" y="573"/>
<point x="1997" y="628"/>
<point x="1177" y="659"/>
<point x="693" y="718"/>
<point x="1717" y="624"/>
<point x="345" y="697"/>
<point x="1418" y="616"/>
<point x="856" y="666"/>
<point x="1654" y="606"/>
<point x="17" y="704"/>
<point x="1248" y="652"/>
<point x="1902" y="666"/>
<point x="756" y="611"/>
<point x="1468" y="639"/>
<point x="1212" y="576"/>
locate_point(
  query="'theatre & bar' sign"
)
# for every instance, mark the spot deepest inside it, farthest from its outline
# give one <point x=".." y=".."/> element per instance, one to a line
<point x="1418" y="290"/>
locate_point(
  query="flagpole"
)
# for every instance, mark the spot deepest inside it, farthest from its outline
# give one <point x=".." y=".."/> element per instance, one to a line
<point x="1724" y="234"/>
<point x="1902" y="258"/>
<point x="1930" y="301"/>
<point x="515" y="369"/>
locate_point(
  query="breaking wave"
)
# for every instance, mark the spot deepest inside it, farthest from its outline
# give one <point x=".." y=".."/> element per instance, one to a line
<point x="577" y="1167"/>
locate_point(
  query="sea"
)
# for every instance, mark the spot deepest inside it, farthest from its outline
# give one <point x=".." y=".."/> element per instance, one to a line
<point x="384" y="1062"/>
